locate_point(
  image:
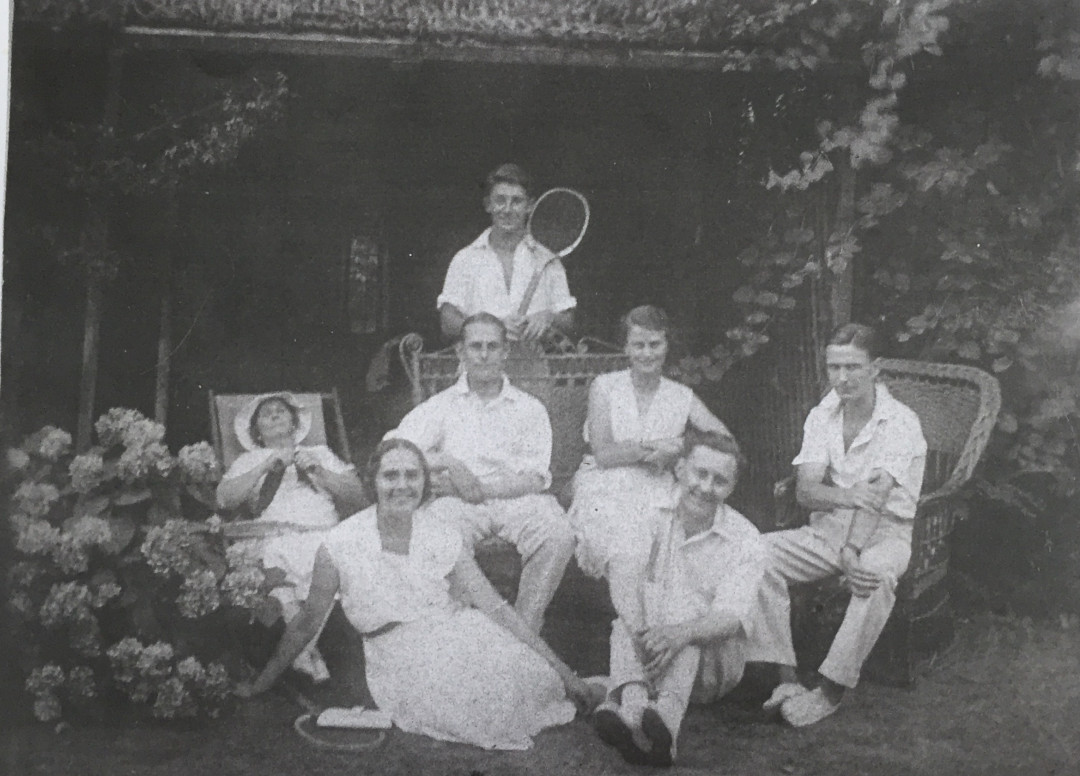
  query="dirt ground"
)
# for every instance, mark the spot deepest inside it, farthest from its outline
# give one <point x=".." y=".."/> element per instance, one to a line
<point x="1004" y="700"/>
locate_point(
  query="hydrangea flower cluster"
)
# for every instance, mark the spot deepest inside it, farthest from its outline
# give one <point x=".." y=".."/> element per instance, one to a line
<point x="36" y="537"/>
<point x="53" y="443"/>
<point x="198" y="595"/>
<point x="176" y="687"/>
<point x="44" y="683"/>
<point x="140" y="461"/>
<point x="89" y="536"/>
<point x="87" y="471"/>
<point x="199" y="464"/>
<point x="35" y="499"/>
<point x="169" y="548"/>
<point x="114" y="427"/>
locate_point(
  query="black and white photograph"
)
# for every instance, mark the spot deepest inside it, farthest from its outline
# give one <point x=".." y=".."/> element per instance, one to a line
<point x="540" y="387"/>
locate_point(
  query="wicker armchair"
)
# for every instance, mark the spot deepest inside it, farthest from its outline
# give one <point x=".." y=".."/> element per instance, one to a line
<point x="958" y="406"/>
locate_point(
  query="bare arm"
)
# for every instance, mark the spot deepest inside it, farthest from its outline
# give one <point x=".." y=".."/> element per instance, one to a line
<point x="511" y="485"/>
<point x="605" y="449"/>
<point x="702" y="418"/>
<point x="664" y="642"/>
<point x="301" y="629"/>
<point x="812" y="492"/>
<point x="450" y="320"/>
<point x="344" y="486"/>
<point x="234" y="491"/>
<point x="472" y="587"/>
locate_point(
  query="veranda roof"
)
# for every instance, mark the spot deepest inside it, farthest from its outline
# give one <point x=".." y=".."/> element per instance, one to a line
<point x="681" y="34"/>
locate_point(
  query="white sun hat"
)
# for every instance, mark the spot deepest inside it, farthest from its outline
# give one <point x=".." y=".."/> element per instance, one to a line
<point x="242" y="421"/>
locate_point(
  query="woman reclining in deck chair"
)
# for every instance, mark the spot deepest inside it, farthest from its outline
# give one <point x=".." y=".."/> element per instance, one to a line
<point x="292" y="489"/>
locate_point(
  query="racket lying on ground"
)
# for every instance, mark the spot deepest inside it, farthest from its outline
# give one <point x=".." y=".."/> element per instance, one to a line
<point x="558" y="222"/>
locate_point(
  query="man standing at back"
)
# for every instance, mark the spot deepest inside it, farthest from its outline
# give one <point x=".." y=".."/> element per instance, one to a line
<point x="860" y="471"/>
<point x="492" y="273"/>
<point x="489" y="448"/>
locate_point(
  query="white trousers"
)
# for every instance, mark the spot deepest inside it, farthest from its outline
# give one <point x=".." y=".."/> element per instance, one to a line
<point x="698" y="674"/>
<point x="811" y="553"/>
<point x="539" y="530"/>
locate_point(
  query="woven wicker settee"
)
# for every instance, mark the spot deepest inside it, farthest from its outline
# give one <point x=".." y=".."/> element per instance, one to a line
<point x="958" y="407"/>
<point x="561" y="381"/>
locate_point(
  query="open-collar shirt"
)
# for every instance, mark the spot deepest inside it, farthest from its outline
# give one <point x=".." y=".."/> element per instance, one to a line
<point x="509" y="433"/>
<point x="475" y="281"/>
<point x="891" y="440"/>
<point x="717" y="570"/>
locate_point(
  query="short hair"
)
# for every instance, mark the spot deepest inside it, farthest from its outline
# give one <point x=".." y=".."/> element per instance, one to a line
<point x="714" y="440"/>
<point x="647" y="316"/>
<point x="380" y="452"/>
<point x="482" y="317"/>
<point x="253" y="425"/>
<point x="864" y="337"/>
<point x="508" y="173"/>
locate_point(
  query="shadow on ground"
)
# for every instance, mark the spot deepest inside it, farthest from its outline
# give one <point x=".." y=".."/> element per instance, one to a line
<point x="1005" y="700"/>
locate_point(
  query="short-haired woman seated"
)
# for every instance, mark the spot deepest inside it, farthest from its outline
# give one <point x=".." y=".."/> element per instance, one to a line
<point x="293" y="488"/>
<point x="445" y="655"/>
<point x="636" y="421"/>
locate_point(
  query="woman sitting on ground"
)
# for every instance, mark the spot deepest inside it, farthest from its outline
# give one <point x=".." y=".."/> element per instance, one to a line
<point x="291" y="489"/>
<point x="636" y="421"/>
<point x="445" y="655"/>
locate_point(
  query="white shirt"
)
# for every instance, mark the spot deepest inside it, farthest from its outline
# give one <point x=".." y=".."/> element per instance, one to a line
<point x="717" y="570"/>
<point x="475" y="281"/>
<point x="891" y="440"/>
<point x="512" y="432"/>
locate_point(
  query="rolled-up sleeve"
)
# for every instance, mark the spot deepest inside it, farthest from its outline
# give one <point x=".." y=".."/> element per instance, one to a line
<point x="738" y="593"/>
<point x="902" y="453"/>
<point x="422" y="426"/>
<point x="814" y="448"/>
<point x="558" y="289"/>
<point x="456" y="286"/>
<point x="532" y="449"/>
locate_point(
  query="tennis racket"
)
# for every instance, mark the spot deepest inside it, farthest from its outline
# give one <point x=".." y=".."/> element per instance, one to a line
<point x="558" y="222"/>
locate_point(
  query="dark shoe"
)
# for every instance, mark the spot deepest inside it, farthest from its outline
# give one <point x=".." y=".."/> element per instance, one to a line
<point x="614" y="731"/>
<point x="656" y="730"/>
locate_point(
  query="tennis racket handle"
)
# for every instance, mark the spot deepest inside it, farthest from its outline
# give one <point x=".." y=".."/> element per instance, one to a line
<point x="530" y="290"/>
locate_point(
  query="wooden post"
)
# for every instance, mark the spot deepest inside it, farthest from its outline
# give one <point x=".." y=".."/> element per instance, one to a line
<point x="842" y="286"/>
<point x="98" y="226"/>
<point x="164" y="356"/>
<point x="165" y="345"/>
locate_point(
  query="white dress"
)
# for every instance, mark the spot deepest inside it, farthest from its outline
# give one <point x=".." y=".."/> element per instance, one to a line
<point x="437" y="668"/>
<point x="297" y="503"/>
<point x="612" y="507"/>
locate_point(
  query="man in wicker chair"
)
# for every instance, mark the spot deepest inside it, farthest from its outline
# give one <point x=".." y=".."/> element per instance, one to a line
<point x="488" y="444"/>
<point x="492" y="273"/>
<point x="859" y="471"/>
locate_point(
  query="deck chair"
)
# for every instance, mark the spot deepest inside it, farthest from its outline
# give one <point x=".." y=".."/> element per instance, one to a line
<point x="958" y="406"/>
<point x="327" y="424"/>
<point x="345" y="653"/>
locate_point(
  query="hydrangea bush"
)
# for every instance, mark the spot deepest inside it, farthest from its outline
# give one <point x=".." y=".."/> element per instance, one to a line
<point x="123" y="589"/>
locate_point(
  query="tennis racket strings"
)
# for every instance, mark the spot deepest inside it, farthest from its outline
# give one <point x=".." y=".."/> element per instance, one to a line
<point x="559" y="219"/>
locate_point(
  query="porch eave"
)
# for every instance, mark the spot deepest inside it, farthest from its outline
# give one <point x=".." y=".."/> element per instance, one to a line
<point x="405" y="51"/>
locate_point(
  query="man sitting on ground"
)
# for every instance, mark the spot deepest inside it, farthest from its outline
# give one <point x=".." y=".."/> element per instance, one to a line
<point x="489" y="448"/>
<point x="698" y="593"/>
<point x="860" y="470"/>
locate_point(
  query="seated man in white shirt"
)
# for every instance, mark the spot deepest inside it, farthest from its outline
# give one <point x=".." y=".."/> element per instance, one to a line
<point x="697" y="597"/>
<point x="860" y="470"/>
<point x="489" y="448"/>
<point x="493" y="272"/>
